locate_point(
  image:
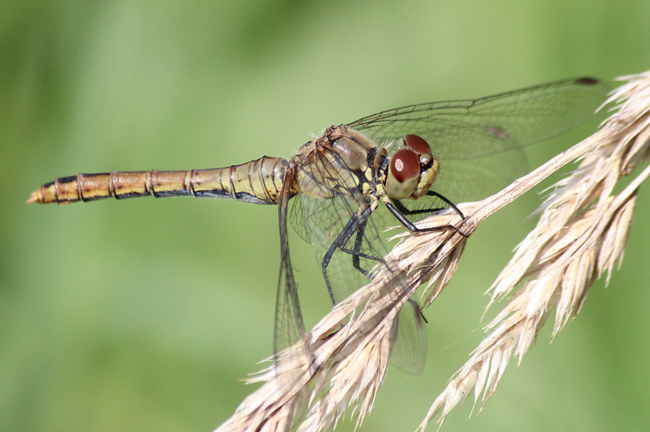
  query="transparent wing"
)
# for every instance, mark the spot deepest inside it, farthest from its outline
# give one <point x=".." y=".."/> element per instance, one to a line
<point x="473" y="129"/>
<point x="348" y="234"/>
<point x="289" y="326"/>
<point x="474" y="140"/>
<point x="409" y="340"/>
<point x="475" y="179"/>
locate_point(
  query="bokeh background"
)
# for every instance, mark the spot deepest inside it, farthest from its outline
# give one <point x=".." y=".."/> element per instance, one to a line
<point x="145" y="315"/>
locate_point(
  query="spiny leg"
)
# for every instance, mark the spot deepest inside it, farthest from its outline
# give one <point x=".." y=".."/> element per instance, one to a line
<point x="400" y="211"/>
<point x="352" y="226"/>
<point x="407" y="211"/>
<point x="356" y="252"/>
<point x="357" y="224"/>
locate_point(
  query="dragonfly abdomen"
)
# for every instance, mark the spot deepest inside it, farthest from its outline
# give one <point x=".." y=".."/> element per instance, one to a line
<point x="258" y="182"/>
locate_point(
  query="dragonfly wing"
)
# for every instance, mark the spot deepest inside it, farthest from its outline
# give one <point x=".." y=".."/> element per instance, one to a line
<point x="289" y="326"/>
<point x="474" y="129"/>
<point x="475" y="179"/>
<point x="477" y="141"/>
<point x="409" y="340"/>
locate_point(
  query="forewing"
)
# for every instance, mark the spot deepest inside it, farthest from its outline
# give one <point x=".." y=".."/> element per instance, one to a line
<point x="476" y="141"/>
<point x="474" y="179"/>
<point x="474" y="129"/>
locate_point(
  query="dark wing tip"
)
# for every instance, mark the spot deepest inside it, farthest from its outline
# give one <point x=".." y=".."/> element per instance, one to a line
<point x="588" y="81"/>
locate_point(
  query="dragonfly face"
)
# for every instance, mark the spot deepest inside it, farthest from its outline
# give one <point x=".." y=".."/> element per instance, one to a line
<point x="331" y="190"/>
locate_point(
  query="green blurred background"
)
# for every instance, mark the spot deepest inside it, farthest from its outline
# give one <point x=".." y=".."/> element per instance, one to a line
<point x="144" y="315"/>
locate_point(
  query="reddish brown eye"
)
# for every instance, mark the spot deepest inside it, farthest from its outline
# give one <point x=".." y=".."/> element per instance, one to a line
<point x="418" y="144"/>
<point x="404" y="165"/>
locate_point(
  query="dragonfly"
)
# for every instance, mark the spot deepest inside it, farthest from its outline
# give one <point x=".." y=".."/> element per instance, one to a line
<point x="340" y="188"/>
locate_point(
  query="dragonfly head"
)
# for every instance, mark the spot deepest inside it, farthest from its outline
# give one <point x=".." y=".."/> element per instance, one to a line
<point x="412" y="169"/>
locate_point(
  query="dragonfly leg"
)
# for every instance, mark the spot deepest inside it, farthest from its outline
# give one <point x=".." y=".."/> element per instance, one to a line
<point x="451" y="204"/>
<point x="356" y="224"/>
<point x="407" y="211"/>
<point x="356" y="252"/>
<point x="400" y="211"/>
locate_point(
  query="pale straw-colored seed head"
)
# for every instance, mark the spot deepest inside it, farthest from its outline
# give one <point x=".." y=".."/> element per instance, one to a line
<point x="581" y="235"/>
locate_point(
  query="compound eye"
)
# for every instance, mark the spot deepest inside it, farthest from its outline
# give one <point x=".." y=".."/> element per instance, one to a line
<point x="417" y="144"/>
<point x="405" y="165"/>
<point x="403" y="174"/>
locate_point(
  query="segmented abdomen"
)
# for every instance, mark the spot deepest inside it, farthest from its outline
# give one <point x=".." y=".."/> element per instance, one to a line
<point x="259" y="182"/>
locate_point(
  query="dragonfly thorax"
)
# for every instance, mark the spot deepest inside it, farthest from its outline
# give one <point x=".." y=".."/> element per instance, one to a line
<point x="337" y="163"/>
<point x="355" y="149"/>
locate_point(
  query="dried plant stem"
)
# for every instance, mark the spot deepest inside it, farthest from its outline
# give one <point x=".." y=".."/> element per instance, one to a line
<point x="581" y="234"/>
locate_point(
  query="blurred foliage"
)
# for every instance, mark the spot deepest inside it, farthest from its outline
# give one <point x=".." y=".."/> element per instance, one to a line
<point x="143" y="315"/>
